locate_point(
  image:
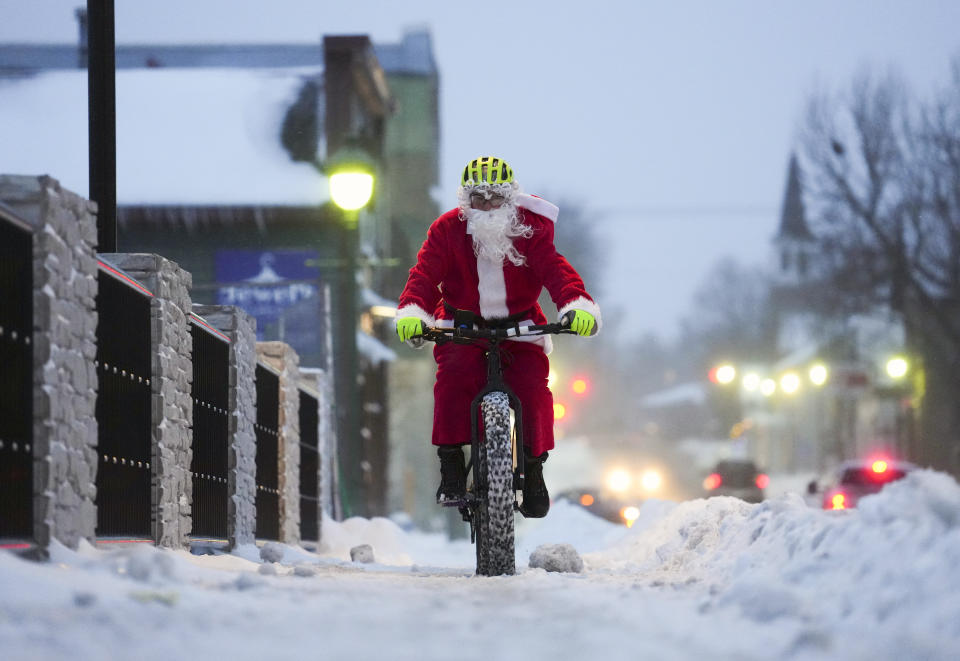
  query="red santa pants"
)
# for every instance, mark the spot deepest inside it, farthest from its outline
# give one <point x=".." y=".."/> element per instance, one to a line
<point x="462" y="373"/>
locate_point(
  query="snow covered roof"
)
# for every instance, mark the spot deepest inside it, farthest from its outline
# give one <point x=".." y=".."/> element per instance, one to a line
<point x="684" y="393"/>
<point x="373" y="349"/>
<point x="413" y="55"/>
<point x="196" y="136"/>
<point x="371" y="298"/>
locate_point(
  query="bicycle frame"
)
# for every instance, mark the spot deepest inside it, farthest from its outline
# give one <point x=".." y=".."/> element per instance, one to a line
<point x="496" y="383"/>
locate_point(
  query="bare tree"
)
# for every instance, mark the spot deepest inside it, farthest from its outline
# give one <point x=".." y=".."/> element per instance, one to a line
<point x="731" y="316"/>
<point x="575" y="237"/>
<point x="885" y="176"/>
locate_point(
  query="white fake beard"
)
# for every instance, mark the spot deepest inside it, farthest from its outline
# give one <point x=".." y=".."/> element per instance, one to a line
<point x="493" y="232"/>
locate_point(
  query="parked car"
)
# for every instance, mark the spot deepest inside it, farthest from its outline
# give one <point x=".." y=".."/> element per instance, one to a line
<point x="603" y="504"/>
<point x="739" y="478"/>
<point x="858" y="478"/>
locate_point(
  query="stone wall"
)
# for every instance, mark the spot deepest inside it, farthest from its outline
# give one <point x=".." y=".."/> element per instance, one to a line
<point x="64" y="350"/>
<point x="172" y="406"/>
<point x="320" y="381"/>
<point x="282" y="358"/>
<point x="241" y="328"/>
<point x="65" y="384"/>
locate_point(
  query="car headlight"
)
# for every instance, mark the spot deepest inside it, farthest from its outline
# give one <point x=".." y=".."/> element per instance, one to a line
<point x="618" y="480"/>
<point x="630" y="513"/>
<point x="651" y="479"/>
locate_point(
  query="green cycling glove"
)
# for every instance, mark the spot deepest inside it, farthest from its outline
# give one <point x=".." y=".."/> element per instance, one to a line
<point x="409" y="327"/>
<point x="580" y="322"/>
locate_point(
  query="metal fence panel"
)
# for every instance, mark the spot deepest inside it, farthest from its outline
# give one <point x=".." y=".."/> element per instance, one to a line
<point x="309" y="466"/>
<point x="16" y="382"/>
<point x="123" y="412"/>
<point x="267" y="431"/>
<point x="211" y="364"/>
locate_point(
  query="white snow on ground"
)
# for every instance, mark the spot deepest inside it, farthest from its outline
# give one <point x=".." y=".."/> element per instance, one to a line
<point x="704" y="579"/>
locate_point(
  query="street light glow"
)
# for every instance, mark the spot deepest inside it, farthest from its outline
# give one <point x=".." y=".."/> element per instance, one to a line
<point x="818" y="374"/>
<point x="768" y="387"/>
<point x="618" y="480"/>
<point x="790" y="383"/>
<point x="351" y="190"/>
<point x="651" y="479"/>
<point x="897" y="367"/>
<point x="726" y="374"/>
<point x="551" y="378"/>
<point x="751" y="381"/>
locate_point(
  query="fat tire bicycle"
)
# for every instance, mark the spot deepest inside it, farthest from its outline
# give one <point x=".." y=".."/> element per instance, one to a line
<point x="497" y="461"/>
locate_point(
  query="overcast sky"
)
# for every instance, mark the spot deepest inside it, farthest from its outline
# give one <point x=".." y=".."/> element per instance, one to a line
<point x="672" y="121"/>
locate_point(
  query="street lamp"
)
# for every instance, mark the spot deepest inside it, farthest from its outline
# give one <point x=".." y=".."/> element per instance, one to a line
<point x="723" y="374"/>
<point x="351" y="190"/>
<point x="818" y="374"/>
<point x="897" y="367"/>
<point x="767" y="387"/>
<point x="350" y="176"/>
<point x="790" y="383"/>
<point x="751" y="381"/>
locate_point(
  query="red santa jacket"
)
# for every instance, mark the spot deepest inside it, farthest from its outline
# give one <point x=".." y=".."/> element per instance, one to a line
<point x="448" y="271"/>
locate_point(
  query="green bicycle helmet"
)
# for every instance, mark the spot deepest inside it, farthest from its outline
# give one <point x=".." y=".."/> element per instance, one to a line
<point x="486" y="170"/>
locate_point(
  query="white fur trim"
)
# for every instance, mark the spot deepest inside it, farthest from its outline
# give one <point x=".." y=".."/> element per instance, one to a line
<point x="492" y="288"/>
<point x="584" y="304"/>
<point x="414" y="310"/>
<point x="538" y="205"/>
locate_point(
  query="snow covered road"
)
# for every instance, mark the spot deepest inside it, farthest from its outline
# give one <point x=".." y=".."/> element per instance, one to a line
<point x="705" y="579"/>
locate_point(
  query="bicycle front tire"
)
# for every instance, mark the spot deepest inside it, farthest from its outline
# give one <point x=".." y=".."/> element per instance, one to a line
<point x="495" y="530"/>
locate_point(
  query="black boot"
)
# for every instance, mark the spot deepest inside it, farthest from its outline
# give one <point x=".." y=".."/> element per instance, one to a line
<point x="453" y="476"/>
<point x="536" y="498"/>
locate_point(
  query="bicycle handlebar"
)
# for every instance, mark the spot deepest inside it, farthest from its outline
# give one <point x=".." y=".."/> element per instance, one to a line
<point x="441" y="333"/>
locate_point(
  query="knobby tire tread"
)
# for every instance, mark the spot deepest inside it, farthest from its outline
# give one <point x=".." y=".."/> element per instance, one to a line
<point x="495" y="535"/>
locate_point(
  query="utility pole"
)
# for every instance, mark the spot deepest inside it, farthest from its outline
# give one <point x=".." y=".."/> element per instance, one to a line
<point x="102" y="117"/>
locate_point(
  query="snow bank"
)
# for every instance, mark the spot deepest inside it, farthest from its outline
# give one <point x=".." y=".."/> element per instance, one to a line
<point x="714" y="578"/>
<point x="569" y="524"/>
<point x="385" y="537"/>
<point x="892" y="566"/>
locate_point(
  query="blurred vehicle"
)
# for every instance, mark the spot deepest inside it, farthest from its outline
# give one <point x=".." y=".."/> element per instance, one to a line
<point x="600" y="503"/>
<point x="739" y="478"/>
<point x="858" y="478"/>
<point x="617" y="491"/>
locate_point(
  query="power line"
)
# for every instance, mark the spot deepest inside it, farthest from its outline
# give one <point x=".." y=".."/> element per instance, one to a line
<point x="689" y="212"/>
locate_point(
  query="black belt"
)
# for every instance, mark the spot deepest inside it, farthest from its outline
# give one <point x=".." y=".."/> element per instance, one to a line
<point x="467" y="318"/>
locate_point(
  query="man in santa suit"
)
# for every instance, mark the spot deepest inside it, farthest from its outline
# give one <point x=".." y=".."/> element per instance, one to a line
<point x="491" y="256"/>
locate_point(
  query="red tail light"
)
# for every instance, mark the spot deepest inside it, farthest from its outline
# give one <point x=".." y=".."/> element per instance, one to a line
<point x="712" y="481"/>
<point x="762" y="481"/>
<point x="879" y="466"/>
<point x="837" y="501"/>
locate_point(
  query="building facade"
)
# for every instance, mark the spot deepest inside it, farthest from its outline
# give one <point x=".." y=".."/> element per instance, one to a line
<point x="221" y="152"/>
